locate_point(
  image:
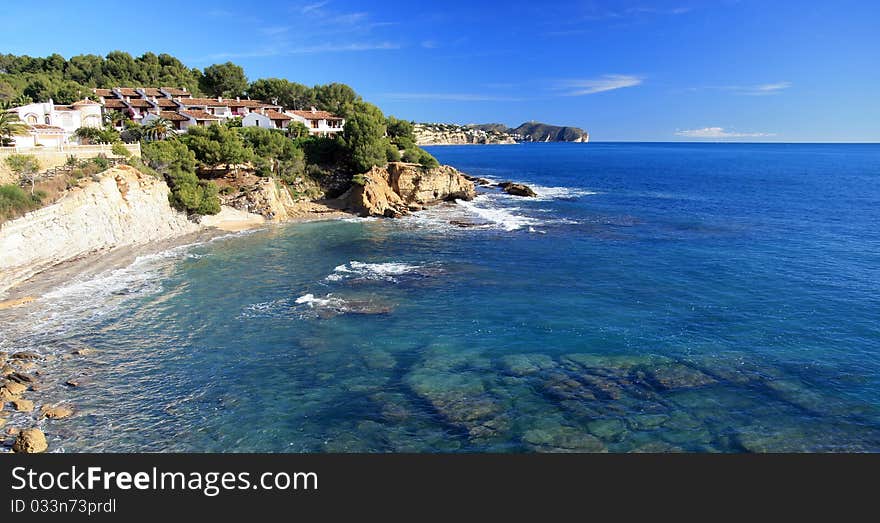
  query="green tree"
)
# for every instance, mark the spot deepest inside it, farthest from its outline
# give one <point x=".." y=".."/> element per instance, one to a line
<point x="224" y="80"/>
<point x="217" y="145"/>
<point x="25" y="166"/>
<point x="169" y="157"/>
<point x="399" y="129"/>
<point x="283" y="92"/>
<point x="364" y="137"/>
<point x="338" y="99"/>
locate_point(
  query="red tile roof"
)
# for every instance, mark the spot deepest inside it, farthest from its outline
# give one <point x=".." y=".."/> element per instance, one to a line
<point x="152" y="91"/>
<point x="177" y="91"/>
<point x="174" y="117"/>
<point x="199" y="115"/>
<point x="128" y="91"/>
<point x="44" y="127"/>
<point x="227" y="102"/>
<point x="114" y="103"/>
<point x="275" y="115"/>
<point x="315" y="115"/>
<point x="140" y="103"/>
<point x="106" y="93"/>
<point x="165" y="102"/>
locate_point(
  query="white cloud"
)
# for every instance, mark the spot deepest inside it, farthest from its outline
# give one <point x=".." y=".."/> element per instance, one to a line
<point x="748" y="90"/>
<point x="452" y="97"/>
<point x="608" y="82"/>
<point x="313" y="7"/>
<point x="719" y="133"/>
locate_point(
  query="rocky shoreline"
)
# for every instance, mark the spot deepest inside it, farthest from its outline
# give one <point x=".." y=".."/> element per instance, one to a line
<point x="82" y="250"/>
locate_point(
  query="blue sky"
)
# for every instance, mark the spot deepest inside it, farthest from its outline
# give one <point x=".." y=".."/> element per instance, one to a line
<point x="747" y="70"/>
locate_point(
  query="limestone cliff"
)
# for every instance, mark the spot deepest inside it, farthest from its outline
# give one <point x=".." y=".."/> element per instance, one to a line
<point x="266" y="197"/>
<point x="450" y="134"/>
<point x="121" y="207"/>
<point x="494" y="133"/>
<point x="400" y="188"/>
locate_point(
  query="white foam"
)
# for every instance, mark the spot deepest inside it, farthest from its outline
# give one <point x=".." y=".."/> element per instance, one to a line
<point x="371" y="271"/>
<point x="327" y="301"/>
<point x="560" y="193"/>
<point x="503" y="217"/>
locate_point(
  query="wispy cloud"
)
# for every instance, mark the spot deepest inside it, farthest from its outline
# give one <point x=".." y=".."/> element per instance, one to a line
<point x="608" y="82"/>
<point x="430" y="44"/>
<point x="768" y="89"/>
<point x="309" y="49"/>
<point x="311" y="8"/>
<point x="719" y="133"/>
<point x="312" y="28"/>
<point x="452" y="97"/>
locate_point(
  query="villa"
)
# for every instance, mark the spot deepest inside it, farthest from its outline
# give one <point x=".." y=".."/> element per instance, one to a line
<point x="51" y="124"/>
<point x="54" y="125"/>
<point x="319" y="123"/>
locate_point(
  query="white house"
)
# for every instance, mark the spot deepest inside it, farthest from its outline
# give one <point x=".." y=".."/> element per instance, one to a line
<point x="319" y="123"/>
<point x="266" y="118"/>
<point x="50" y="124"/>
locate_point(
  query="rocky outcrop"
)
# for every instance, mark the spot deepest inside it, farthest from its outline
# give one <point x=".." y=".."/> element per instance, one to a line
<point x="494" y="133"/>
<point x="30" y="441"/>
<point x="267" y="197"/>
<point x="451" y="134"/>
<point x="400" y="188"/>
<point x="517" y="189"/>
<point x="122" y="206"/>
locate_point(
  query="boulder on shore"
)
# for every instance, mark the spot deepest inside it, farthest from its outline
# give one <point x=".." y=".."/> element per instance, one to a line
<point x="30" y="441"/>
<point x="517" y="189"/>
<point x="58" y="412"/>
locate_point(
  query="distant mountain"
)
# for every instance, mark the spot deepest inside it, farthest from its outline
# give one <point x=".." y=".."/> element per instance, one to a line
<point x="495" y="133"/>
<point x="541" y="132"/>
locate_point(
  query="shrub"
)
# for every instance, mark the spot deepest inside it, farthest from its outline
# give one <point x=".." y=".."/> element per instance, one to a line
<point x="14" y="201"/>
<point x="120" y="150"/>
<point x="391" y="153"/>
<point x="192" y="195"/>
<point x="101" y="162"/>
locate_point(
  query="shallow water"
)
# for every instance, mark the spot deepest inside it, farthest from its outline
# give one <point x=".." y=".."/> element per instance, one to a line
<point x="654" y="297"/>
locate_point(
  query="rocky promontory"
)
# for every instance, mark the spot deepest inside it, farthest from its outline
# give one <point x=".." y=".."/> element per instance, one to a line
<point x="400" y="188"/>
<point x="494" y="133"/>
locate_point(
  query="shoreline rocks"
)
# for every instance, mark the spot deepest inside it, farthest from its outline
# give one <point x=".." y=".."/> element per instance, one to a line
<point x="30" y="441"/>
<point x="394" y="190"/>
<point x="518" y="189"/>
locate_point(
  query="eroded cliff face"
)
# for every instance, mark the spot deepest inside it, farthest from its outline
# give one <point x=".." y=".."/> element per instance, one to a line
<point x="122" y="207"/>
<point x="400" y="188"/>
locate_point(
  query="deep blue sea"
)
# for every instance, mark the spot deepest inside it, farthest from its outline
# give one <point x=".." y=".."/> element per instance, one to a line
<point x="653" y="297"/>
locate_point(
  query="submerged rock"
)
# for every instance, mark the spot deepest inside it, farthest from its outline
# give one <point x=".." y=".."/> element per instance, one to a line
<point x="561" y="438"/>
<point x="527" y="364"/>
<point x="461" y="399"/>
<point x="30" y="441"/>
<point x="677" y="376"/>
<point x="517" y="189"/>
<point x="607" y="429"/>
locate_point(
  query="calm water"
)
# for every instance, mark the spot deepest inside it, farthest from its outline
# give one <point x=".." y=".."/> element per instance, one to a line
<point x="655" y="297"/>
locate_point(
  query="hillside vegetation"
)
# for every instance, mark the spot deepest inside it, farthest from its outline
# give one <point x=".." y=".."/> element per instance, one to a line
<point x="187" y="161"/>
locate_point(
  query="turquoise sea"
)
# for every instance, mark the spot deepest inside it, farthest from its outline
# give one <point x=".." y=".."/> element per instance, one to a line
<point x="654" y="297"/>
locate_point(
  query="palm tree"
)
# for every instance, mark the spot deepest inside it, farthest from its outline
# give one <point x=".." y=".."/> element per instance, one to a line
<point x="114" y="117"/>
<point x="10" y="126"/>
<point x="158" y="129"/>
